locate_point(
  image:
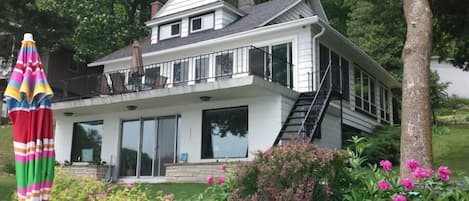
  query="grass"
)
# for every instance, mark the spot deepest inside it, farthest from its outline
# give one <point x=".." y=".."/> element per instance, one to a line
<point x="7" y="187"/>
<point x="452" y="149"/>
<point x="181" y="191"/>
<point x="6" y="145"/>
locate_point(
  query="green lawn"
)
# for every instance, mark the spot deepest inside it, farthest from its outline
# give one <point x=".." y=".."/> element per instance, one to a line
<point x="452" y="150"/>
<point x="7" y="187"/>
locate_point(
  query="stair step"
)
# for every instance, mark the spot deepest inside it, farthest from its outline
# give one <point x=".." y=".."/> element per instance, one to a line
<point x="289" y="124"/>
<point x="302" y="104"/>
<point x="290" y="118"/>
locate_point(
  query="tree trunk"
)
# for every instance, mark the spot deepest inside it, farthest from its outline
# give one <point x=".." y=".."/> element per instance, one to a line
<point x="416" y="138"/>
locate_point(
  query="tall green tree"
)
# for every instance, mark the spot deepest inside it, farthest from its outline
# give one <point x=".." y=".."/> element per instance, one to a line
<point x="451" y="35"/>
<point x="100" y="27"/>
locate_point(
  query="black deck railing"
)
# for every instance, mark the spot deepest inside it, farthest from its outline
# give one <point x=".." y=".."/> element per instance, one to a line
<point x="210" y="67"/>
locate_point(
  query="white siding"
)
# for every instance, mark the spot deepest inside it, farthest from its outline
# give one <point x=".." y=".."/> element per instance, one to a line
<point x="264" y="123"/>
<point x="185" y="27"/>
<point x="356" y="119"/>
<point x="154" y="35"/>
<point x="175" y="6"/>
<point x="223" y="18"/>
<point x="219" y="18"/>
<point x="305" y="64"/>
<point x="294" y="13"/>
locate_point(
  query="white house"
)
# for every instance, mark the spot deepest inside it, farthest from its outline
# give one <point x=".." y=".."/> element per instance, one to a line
<point x="457" y="78"/>
<point x="221" y="83"/>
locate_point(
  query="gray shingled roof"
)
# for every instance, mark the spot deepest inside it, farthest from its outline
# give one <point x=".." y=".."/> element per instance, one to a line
<point x="254" y="17"/>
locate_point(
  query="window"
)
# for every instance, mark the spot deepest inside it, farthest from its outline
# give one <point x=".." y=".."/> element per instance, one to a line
<point x="201" y="69"/>
<point x="340" y="67"/>
<point x="273" y="62"/>
<point x="225" y="133"/>
<point x="203" y="22"/>
<point x="224" y="65"/>
<point x="365" y="92"/>
<point x="384" y="109"/>
<point x="170" y="30"/>
<point x="181" y="72"/>
<point x="87" y="139"/>
<point x="147" y="144"/>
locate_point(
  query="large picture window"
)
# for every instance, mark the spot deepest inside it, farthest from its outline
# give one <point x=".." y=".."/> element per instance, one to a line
<point x="87" y="139"/>
<point x="225" y="133"/>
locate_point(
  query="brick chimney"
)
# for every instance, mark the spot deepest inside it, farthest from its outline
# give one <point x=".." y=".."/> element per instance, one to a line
<point x="155" y="7"/>
<point x="244" y="4"/>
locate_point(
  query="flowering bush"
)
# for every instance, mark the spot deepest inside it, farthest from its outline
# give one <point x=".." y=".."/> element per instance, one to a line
<point x="382" y="183"/>
<point x="295" y="172"/>
<point x="219" y="188"/>
<point x="70" y="188"/>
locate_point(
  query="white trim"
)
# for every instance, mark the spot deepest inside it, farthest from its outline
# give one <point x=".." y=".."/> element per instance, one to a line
<point x="194" y="11"/>
<point x="236" y="36"/>
<point x="280" y="13"/>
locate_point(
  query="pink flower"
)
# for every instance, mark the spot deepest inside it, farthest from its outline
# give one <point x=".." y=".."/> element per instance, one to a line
<point x="129" y="185"/>
<point x="399" y="198"/>
<point x="407" y="183"/>
<point x="384" y="185"/>
<point x="386" y="165"/>
<point x="169" y="196"/>
<point x="412" y="164"/>
<point x="209" y="180"/>
<point x="444" y="173"/>
<point x="220" y="180"/>
<point x="422" y="172"/>
<point x="223" y="167"/>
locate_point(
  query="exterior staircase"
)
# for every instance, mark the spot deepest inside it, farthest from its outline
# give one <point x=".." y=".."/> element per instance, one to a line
<point x="305" y="118"/>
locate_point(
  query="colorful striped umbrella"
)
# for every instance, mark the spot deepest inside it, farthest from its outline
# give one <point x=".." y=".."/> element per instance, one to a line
<point x="28" y="97"/>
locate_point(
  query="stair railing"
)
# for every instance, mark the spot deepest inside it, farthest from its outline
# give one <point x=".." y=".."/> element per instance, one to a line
<point x="322" y="86"/>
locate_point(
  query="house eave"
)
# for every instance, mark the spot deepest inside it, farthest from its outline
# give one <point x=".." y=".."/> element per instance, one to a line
<point x="249" y="33"/>
<point x="192" y="12"/>
<point x="393" y="83"/>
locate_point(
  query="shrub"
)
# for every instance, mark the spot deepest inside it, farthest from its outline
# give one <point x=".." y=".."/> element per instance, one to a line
<point x="70" y="188"/>
<point x="9" y="166"/>
<point x="296" y="171"/>
<point x="440" y="130"/>
<point x="384" y="142"/>
<point x="466" y="118"/>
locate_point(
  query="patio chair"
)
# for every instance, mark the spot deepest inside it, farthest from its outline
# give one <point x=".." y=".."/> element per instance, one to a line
<point x="105" y="90"/>
<point x="118" y="85"/>
<point x="160" y="82"/>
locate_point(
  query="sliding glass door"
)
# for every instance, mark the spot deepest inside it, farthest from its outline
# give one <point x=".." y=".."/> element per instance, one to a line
<point x="147" y="144"/>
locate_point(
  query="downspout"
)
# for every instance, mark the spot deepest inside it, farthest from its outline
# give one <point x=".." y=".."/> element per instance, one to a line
<point x="314" y="74"/>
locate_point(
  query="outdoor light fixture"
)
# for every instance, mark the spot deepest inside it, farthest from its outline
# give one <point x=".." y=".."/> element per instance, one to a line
<point x="68" y="114"/>
<point x="205" y="98"/>
<point x="131" y="107"/>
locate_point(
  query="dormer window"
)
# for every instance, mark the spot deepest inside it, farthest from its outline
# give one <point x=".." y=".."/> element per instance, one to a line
<point x="170" y="30"/>
<point x="202" y="22"/>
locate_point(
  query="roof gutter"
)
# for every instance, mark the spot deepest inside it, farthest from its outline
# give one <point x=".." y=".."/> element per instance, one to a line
<point x="315" y="63"/>
<point x="236" y="36"/>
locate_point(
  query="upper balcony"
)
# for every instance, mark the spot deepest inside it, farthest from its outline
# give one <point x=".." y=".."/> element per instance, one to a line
<point x="202" y="69"/>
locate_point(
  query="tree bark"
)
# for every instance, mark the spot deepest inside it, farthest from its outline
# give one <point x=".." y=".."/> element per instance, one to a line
<point x="416" y="138"/>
